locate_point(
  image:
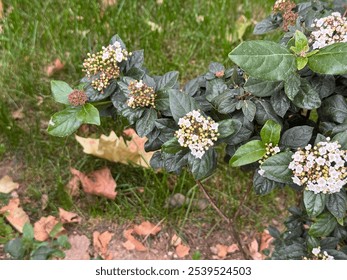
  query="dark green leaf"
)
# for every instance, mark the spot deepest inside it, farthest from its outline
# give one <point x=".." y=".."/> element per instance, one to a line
<point x="61" y="91"/>
<point x="15" y="248"/>
<point x="64" y="122"/>
<point x="314" y="203"/>
<point x="292" y="86"/>
<point x="262" y="88"/>
<point x="262" y="185"/>
<point x="28" y="232"/>
<point x="337" y="204"/>
<point x="162" y="101"/>
<point x="266" y="25"/>
<point x="334" y="108"/>
<point x="276" y="168"/>
<point x="271" y="132"/>
<point x="330" y="60"/>
<point x="341" y="138"/>
<point x="56" y="229"/>
<point x="214" y="88"/>
<point x="136" y="60"/>
<point x="248" y="153"/>
<point x="167" y="81"/>
<point x="307" y="97"/>
<point x="42" y="253"/>
<point x="226" y="102"/>
<point x="215" y="67"/>
<point x="191" y="87"/>
<point x="324" y="85"/>
<point x="297" y="137"/>
<point x="280" y="103"/>
<point x="181" y="104"/>
<point x="323" y="226"/>
<point x="264" y="60"/>
<point x="265" y="112"/>
<point x="136" y="73"/>
<point x="227" y="127"/>
<point x="89" y="114"/>
<point x="204" y="167"/>
<point x="146" y="123"/>
<point x="63" y="242"/>
<point x="249" y="109"/>
<point x="172" y="146"/>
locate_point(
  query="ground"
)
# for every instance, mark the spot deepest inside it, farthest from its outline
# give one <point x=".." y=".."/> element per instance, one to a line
<point x="176" y="35"/>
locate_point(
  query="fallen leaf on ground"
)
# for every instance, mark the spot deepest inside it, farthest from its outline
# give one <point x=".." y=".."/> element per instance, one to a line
<point x="73" y="186"/>
<point x="147" y="228"/>
<point x="175" y="240"/>
<point x="116" y="149"/>
<point x="100" y="242"/>
<point x="254" y="250"/>
<point x="220" y="251"/>
<point x="18" y="114"/>
<point x="265" y="241"/>
<point x="15" y="215"/>
<point x="99" y="182"/>
<point x="68" y="217"/>
<point x="182" y="250"/>
<point x="44" y="226"/>
<point x="54" y="67"/>
<point x="7" y="185"/>
<point x="233" y="248"/>
<point x="132" y="243"/>
<point x="44" y="201"/>
<point x="79" y="248"/>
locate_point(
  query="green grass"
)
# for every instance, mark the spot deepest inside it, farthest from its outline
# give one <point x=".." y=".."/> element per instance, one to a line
<point x="37" y="32"/>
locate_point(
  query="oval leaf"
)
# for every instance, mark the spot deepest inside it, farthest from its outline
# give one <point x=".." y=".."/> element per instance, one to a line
<point x="297" y="137"/>
<point x="323" y="226"/>
<point x="271" y="132"/>
<point x="314" y="203"/>
<point x="181" y="104"/>
<point x="248" y="153"/>
<point x="60" y="91"/>
<point x="64" y="122"/>
<point x="337" y="204"/>
<point x="276" y="168"/>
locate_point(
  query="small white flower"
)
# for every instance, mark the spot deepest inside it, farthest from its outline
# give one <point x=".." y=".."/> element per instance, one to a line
<point x="277" y="149"/>
<point x="119" y="57"/>
<point x="195" y="137"/>
<point x="105" y="55"/>
<point x="316" y="251"/>
<point x="214" y="126"/>
<point x="139" y="84"/>
<point x="261" y="172"/>
<point x="296" y="180"/>
<point x="116" y="45"/>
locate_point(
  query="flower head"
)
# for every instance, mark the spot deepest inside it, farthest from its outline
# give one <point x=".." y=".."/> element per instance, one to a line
<point x="318" y="255"/>
<point x="321" y="168"/>
<point x="285" y="7"/>
<point x="104" y="65"/>
<point x="77" y="98"/>
<point x="141" y="95"/>
<point x="197" y="132"/>
<point x="328" y="30"/>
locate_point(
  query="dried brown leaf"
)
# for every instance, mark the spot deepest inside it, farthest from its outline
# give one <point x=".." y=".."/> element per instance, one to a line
<point x="116" y="149"/>
<point x="44" y="226"/>
<point x="233" y="248"/>
<point x="79" y="248"/>
<point x="265" y="241"/>
<point x="99" y="182"/>
<point x="18" y="114"/>
<point x="132" y="243"/>
<point x="44" y="201"/>
<point x="73" y="186"/>
<point x="68" y="217"/>
<point x="15" y="215"/>
<point x="182" y="250"/>
<point x="175" y="240"/>
<point x="100" y="242"/>
<point x="147" y="228"/>
<point x="7" y="185"/>
<point x="54" y="67"/>
<point x="254" y="250"/>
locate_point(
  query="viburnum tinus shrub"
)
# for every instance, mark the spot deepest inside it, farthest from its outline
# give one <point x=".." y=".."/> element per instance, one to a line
<point x="280" y="111"/>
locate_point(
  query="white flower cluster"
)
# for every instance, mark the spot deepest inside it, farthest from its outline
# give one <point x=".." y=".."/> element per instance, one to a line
<point x="197" y="132"/>
<point x="321" y="168"/>
<point x="270" y="151"/>
<point x="141" y="95"/>
<point x="105" y="64"/>
<point x="329" y="30"/>
<point x="318" y="255"/>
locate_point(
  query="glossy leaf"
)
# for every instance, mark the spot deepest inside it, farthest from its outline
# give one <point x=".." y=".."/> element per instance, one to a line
<point x="250" y="152"/>
<point x="271" y="132"/>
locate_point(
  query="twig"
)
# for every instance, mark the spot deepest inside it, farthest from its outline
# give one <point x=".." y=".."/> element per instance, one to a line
<point x="345" y="13"/>
<point x="231" y="223"/>
<point x="242" y="202"/>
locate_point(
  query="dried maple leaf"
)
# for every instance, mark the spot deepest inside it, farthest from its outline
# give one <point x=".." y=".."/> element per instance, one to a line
<point x="18" y="114"/>
<point x="175" y="240"/>
<point x="116" y="149"/>
<point x="100" y="242"/>
<point x="15" y="215"/>
<point x="99" y="182"/>
<point x="182" y="250"/>
<point x="254" y="250"/>
<point x="79" y="248"/>
<point x="7" y="185"/>
<point x="68" y="217"/>
<point x="147" y="228"/>
<point x="132" y="243"/>
<point x="54" y="67"/>
<point x="44" y="226"/>
<point x="265" y="241"/>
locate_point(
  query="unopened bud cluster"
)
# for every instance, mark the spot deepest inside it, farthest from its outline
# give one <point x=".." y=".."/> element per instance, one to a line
<point x="104" y="65"/>
<point x="270" y="151"/>
<point x="197" y="132"/>
<point x="77" y="98"/>
<point x="328" y="30"/>
<point x="285" y="7"/>
<point x="318" y="255"/>
<point x="141" y="95"/>
<point x="321" y="168"/>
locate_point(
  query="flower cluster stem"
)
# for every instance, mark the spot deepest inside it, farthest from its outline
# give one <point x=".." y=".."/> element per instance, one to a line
<point x="230" y="221"/>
